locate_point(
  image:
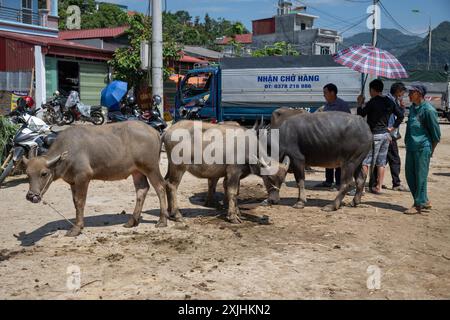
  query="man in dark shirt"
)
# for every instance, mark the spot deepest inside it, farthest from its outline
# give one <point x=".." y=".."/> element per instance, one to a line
<point x="378" y="111"/>
<point x="333" y="103"/>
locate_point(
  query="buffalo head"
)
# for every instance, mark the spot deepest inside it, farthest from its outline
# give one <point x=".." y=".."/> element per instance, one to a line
<point x="273" y="179"/>
<point x="41" y="173"/>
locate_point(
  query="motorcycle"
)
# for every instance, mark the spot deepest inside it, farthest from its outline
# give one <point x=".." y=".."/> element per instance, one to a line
<point x="32" y="139"/>
<point x="54" y="110"/>
<point x="76" y="110"/>
<point x="191" y="110"/>
<point x="129" y="110"/>
<point x="153" y="116"/>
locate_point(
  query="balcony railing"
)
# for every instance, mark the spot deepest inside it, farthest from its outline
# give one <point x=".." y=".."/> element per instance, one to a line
<point x="25" y="16"/>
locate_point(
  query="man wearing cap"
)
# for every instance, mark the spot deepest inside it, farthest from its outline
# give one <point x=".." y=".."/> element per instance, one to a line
<point x="422" y="136"/>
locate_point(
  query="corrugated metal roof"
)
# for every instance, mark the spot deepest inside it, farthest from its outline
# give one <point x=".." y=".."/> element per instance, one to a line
<point x="92" y="33"/>
<point x="189" y="59"/>
<point x="240" y="38"/>
<point x="200" y="51"/>
<point x="60" y="47"/>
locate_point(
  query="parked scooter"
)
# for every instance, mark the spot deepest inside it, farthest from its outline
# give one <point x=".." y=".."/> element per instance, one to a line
<point x="153" y="116"/>
<point x="32" y="139"/>
<point x="76" y="110"/>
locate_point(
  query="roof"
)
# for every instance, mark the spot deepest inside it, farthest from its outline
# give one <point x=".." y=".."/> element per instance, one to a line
<point x="240" y="38"/>
<point x="190" y="59"/>
<point x="58" y="46"/>
<point x="92" y="33"/>
<point x="203" y="52"/>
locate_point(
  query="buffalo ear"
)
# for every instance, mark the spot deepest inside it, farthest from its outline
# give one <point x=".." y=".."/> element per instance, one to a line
<point x="25" y="160"/>
<point x="55" y="160"/>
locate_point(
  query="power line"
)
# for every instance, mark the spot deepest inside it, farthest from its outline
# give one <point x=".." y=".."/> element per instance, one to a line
<point x="340" y="19"/>
<point x="397" y="23"/>
<point x="357" y="23"/>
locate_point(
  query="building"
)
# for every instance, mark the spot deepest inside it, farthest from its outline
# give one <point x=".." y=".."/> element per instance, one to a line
<point x="35" y="61"/>
<point x="244" y="41"/>
<point x="294" y="26"/>
<point x="104" y="38"/>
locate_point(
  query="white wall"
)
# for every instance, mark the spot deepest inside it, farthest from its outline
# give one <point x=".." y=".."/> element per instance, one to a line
<point x="39" y="65"/>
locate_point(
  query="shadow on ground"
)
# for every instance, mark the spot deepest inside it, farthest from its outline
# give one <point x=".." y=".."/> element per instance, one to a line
<point x="29" y="239"/>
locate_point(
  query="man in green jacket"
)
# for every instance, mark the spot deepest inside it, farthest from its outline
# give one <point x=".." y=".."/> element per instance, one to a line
<point x="422" y="136"/>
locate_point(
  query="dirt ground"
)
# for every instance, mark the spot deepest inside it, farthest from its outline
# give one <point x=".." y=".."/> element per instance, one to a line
<point x="278" y="252"/>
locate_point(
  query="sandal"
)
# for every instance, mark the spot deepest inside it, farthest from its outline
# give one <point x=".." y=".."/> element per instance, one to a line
<point x="413" y="210"/>
<point x="376" y="191"/>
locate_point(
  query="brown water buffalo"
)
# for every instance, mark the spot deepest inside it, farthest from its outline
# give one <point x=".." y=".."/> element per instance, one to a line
<point x="111" y="152"/>
<point x="232" y="172"/>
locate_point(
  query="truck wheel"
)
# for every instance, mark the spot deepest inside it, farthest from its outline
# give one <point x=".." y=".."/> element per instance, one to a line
<point x="7" y="171"/>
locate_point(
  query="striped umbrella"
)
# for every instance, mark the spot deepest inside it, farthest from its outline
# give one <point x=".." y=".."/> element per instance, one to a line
<point x="371" y="60"/>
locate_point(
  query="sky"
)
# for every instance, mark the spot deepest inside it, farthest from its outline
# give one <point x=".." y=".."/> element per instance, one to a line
<point x="341" y="15"/>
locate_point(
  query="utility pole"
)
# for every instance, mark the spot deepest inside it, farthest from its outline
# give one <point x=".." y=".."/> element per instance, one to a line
<point x="429" y="44"/>
<point x="429" y="35"/>
<point x="374" y="24"/>
<point x="157" y="52"/>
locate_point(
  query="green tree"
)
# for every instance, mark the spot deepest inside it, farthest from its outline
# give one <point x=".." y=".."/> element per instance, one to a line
<point x="126" y="62"/>
<point x="277" y="49"/>
<point x="107" y="15"/>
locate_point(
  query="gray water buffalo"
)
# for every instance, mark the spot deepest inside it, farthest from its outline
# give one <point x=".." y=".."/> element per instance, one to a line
<point x="329" y="140"/>
<point x="232" y="172"/>
<point x="282" y="114"/>
<point x="111" y="152"/>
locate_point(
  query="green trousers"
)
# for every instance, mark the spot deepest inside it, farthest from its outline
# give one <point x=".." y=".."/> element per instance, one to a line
<point x="416" y="170"/>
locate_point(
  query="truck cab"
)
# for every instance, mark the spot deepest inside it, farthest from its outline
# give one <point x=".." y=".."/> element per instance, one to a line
<point x="198" y="95"/>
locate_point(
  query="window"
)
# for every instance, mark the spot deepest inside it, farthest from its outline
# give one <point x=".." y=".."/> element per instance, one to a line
<point x="196" y="84"/>
<point x="324" y="50"/>
<point x="27" y="11"/>
<point x="303" y="26"/>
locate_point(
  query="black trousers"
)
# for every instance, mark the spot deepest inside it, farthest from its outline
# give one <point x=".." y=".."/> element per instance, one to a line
<point x="393" y="159"/>
<point x="331" y="174"/>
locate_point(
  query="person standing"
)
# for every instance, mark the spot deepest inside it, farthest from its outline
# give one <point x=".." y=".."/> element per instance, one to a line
<point x="378" y="110"/>
<point x="421" y="138"/>
<point x="396" y="93"/>
<point x="333" y="103"/>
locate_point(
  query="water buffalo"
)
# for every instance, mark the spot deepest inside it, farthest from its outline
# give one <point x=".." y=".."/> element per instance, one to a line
<point x="329" y="140"/>
<point x="111" y="152"/>
<point x="232" y="172"/>
<point x="282" y="114"/>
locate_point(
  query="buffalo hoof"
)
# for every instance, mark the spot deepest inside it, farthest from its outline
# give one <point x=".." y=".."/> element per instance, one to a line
<point x="75" y="231"/>
<point x="354" y="203"/>
<point x="265" y="203"/>
<point x="329" y="208"/>
<point x="131" y="223"/>
<point x="177" y="217"/>
<point x="161" y="224"/>
<point x="299" y="205"/>
<point x="234" y="219"/>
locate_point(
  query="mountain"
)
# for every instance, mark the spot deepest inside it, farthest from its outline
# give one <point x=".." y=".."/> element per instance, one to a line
<point x="391" y="40"/>
<point x="417" y="57"/>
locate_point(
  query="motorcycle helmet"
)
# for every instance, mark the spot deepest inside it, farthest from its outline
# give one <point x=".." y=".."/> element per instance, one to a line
<point x="29" y="102"/>
<point x="157" y="100"/>
<point x="131" y="100"/>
